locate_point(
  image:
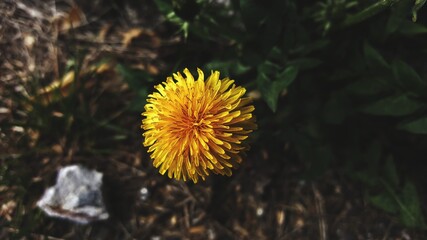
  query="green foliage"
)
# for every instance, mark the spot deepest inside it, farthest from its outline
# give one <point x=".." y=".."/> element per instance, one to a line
<point x="398" y="105"/>
<point x="408" y="77"/>
<point x="417" y="6"/>
<point x="366" y="13"/>
<point x="271" y="87"/>
<point x="404" y="203"/>
<point x="137" y="81"/>
<point x="415" y="126"/>
<point x="70" y="107"/>
<point x="373" y="57"/>
<point x="341" y="80"/>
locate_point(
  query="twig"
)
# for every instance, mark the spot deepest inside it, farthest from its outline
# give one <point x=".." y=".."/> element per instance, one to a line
<point x="125" y="231"/>
<point x="320" y="209"/>
<point x="224" y="229"/>
<point x="387" y="232"/>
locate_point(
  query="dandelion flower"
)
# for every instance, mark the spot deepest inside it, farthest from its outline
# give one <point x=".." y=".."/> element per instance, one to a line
<point x="195" y="127"/>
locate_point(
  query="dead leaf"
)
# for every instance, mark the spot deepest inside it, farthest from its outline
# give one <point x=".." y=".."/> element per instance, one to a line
<point x="107" y="67"/>
<point x="57" y="148"/>
<point x="34" y="136"/>
<point x="197" y="230"/>
<point x="59" y="87"/>
<point x="130" y="35"/>
<point x="155" y="40"/>
<point x="299" y="223"/>
<point x="72" y="19"/>
<point x="103" y="32"/>
<point x="7" y="209"/>
<point x="152" y="69"/>
<point x="280" y="217"/>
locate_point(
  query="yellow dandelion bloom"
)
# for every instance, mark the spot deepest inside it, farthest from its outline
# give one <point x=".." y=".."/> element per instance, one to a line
<point x="194" y="127"/>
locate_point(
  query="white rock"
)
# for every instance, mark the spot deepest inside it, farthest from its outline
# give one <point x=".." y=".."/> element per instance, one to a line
<point x="76" y="196"/>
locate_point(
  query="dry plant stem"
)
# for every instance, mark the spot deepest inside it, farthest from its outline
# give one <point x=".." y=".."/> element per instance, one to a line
<point x="186" y="217"/>
<point x="320" y="209"/>
<point x="134" y="169"/>
<point x="387" y="233"/>
<point x="225" y="229"/>
<point x="343" y="213"/>
<point x="280" y="218"/>
<point x="125" y="231"/>
<point x="187" y="191"/>
<point x="54" y="46"/>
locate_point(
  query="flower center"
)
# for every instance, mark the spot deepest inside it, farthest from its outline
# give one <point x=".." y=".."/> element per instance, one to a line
<point x="197" y="124"/>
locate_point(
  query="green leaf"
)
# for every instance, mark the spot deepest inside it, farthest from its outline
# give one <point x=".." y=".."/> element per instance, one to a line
<point x="417" y="126"/>
<point x="373" y="57"/>
<point x="391" y="172"/>
<point x="385" y="202"/>
<point x="398" y="21"/>
<point x="411" y="214"/>
<point x="310" y="47"/>
<point x="405" y="72"/>
<point x="264" y="24"/>
<point x="370" y="157"/>
<point x="408" y="77"/>
<point x="136" y="79"/>
<point x="253" y="13"/>
<point x="393" y="24"/>
<point x="410" y="28"/>
<point x="139" y="101"/>
<point x="271" y="89"/>
<point x="305" y="63"/>
<point x="398" y="105"/>
<point x="366" y="13"/>
<point x="399" y="13"/>
<point x="164" y="6"/>
<point x="287" y="76"/>
<point x="268" y="68"/>
<point x="365" y="177"/>
<point x="407" y="202"/>
<point x="260" y="44"/>
<point x="369" y="86"/>
<point x="228" y="67"/>
<point x="417" y="6"/>
<point x="337" y="108"/>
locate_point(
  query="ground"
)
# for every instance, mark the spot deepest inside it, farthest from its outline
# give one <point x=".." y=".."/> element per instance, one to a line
<point x="266" y="198"/>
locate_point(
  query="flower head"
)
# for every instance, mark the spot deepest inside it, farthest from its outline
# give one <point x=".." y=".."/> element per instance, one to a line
<point x="194" y="127"/>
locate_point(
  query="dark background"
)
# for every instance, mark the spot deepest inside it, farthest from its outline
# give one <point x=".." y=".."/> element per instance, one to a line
<point x="340" y="94"/>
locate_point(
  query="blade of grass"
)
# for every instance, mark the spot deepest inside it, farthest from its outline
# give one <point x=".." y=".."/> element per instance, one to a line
<point x="366" y="13"/>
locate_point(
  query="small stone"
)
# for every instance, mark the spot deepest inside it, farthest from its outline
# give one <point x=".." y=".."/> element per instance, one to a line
<point x="259" y="212"/>
<point x="144" y="193"/>
<point x="76" y="196"/>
